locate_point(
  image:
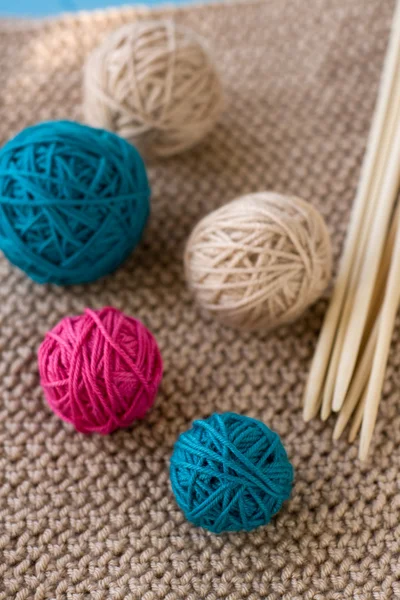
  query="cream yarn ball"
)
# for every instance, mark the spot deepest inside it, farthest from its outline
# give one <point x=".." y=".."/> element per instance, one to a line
<point x="153" y="82"/>
<point x="259" y="261"/>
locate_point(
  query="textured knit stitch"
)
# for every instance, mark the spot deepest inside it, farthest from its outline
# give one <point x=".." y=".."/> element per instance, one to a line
<point x="100" y="370"/>
<point x="74" y="201"/>
<point x="93" y="517"/>
<point x="230" y="473"/>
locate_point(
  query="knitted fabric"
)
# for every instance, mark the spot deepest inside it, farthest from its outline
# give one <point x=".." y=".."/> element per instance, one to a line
<point x="93" y="517"/>
<point x="230" y="473"/>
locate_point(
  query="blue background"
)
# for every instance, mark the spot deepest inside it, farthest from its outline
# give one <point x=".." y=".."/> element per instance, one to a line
<point x="41" y="8"/>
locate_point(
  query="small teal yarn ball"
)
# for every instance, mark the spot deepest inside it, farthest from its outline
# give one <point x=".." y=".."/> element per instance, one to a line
<point x="74" y="201"/>
<point x="230" y="473"/>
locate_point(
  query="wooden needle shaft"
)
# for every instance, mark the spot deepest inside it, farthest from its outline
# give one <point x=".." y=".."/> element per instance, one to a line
<point x="386" y="191"/>
<point x="358" y="415"/>
<point x="358" y="385"/>
<point x="312" y="395"/>
<point x="385" y="330"/>
<point x="363" y="370"/>
<point x="348" y="306"/>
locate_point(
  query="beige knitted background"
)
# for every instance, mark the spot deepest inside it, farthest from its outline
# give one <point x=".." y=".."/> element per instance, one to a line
<point x="93" y="517"/>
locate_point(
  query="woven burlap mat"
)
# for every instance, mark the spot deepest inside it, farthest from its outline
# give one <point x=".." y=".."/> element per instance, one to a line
<point x="93" y="517"/>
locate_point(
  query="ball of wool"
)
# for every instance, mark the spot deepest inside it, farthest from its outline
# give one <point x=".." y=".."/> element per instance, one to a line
<point x="230" y="473"/>
<point x="73" y="201"/>
<point x="154" y="83"/>
<point x="259" y="261"/>
<point x="100" y="370"/>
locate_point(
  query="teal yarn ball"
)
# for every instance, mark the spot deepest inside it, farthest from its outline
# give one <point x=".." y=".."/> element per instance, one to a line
<point x="230" y="473"/>
<point x="74" y="201"/>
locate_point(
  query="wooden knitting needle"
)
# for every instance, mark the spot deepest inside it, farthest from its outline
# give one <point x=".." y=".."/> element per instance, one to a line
<point x="358" y="385"/>
<point x="369" y="271"/>
<point x="385" y="330"/>
<point x="312" y="394"/>
<point x="358" y="415"/>
<point x="383" y="272"/>
<point x="363" y="370"/>
<point x="348" y="306"/>
<point x="386" y="185"/>
<point x="342" y="325"/>
<point x="327" y="393"/>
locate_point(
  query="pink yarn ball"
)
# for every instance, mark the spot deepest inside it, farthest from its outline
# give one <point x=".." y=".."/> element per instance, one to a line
<point x="100" y="370"/>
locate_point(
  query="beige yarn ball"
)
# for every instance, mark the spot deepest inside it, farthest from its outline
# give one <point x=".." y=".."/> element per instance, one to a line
<point x="153" y="82"/>
<point x="259" y="261"/>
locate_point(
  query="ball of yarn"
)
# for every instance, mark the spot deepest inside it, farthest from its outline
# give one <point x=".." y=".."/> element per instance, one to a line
<point x="100" y="370"/>
<point x="230" y="473"/>
<point x="73" y="201"/>
<point x="259" y="261"/>
<point x="154" y="83"/>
